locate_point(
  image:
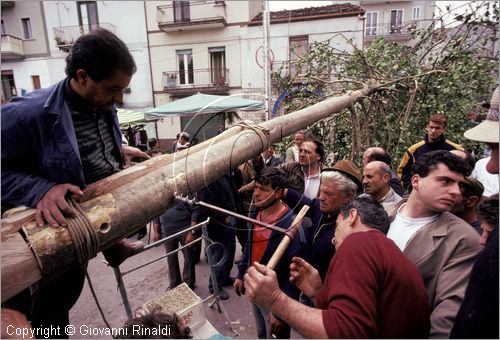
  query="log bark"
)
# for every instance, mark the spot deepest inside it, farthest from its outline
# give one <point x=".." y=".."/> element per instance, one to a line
<point x="125" y="208"/>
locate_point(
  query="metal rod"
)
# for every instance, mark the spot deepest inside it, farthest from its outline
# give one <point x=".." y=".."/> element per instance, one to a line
<point x="231" y="213"/>
<point x="123" y="291"/>
<point x="163" y="240"/>
<point x="162" y="257"/>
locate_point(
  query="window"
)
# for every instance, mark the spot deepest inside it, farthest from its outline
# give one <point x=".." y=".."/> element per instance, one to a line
<point x="87" y="16"/>
<point x="8" y="86"/>
<point x="181" y="11"/>
<point x="26" y="28"/>
<point x="371" y="23"/>
<point x="3" y="28"/>
<point x="186" y="71"/>
<point x="299" y="48"/>
<point x="36" y="82"/>
<point x="217" y="65"/>
<point x="396" y="22"/>
<point x="415" y="13"/>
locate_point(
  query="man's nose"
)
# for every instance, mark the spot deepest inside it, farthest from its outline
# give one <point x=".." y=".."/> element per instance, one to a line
<point x="455" y="189"/>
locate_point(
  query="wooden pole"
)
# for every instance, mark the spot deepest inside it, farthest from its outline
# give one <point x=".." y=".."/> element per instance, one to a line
<point x="126" y="208"/>
<point x="285" y="242"/>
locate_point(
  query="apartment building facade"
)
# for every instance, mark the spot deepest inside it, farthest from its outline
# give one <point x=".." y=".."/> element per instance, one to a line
<point x="195" y="46"/>
<point x="37" y="35"/>
<point x="396" y="20"/>
<point x="290" y="34"/>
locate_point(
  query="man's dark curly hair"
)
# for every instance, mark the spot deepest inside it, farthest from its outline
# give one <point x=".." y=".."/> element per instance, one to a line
<point x="487" y="210"/>
<point x="272" y="176"/>
<point x="151" y="321"/>
<point x="429" y="161"/>
<point x="100" y="53"/>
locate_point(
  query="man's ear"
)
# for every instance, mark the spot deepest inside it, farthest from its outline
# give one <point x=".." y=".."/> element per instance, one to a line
<point x="386" y="177"/>
<point x="82" y="76"/>
<point x="348" y="197"/>
<point x="415" y="181"/>
<point x="352" y="217"/>
<point x="471" y="201"/>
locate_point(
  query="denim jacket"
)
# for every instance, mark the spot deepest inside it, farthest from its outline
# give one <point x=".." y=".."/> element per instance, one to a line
<point x="39" y="146"/>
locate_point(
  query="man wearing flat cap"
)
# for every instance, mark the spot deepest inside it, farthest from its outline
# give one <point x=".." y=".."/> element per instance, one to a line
<point x="338" y="186"/>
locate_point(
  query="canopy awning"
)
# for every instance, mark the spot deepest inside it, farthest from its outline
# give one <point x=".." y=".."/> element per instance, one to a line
<point x="128" y="117"/>
<point x="202" y="104"/>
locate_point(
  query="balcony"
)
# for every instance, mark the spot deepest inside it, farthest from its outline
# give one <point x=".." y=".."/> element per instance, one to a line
<point x="290" y="69"/>
<point x="390" y="32"/>
<point x="67" y="35"/>
<point x="192" y="15"/>
<point x="12" y="47"/>
<point x="210" y="81"/>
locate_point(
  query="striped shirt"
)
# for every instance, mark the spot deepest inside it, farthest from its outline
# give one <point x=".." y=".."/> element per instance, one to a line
<point x="94" y="132"/>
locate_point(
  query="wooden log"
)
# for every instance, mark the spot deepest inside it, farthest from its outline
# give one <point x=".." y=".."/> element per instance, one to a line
<point x="128" y="207"/>
<point x="108" y="184"/>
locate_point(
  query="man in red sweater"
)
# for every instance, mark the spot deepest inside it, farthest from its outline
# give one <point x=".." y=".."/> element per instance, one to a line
<point x="371" y="289"/>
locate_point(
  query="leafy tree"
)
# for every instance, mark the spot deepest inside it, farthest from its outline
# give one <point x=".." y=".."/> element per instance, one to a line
<point x="447" y="71"/>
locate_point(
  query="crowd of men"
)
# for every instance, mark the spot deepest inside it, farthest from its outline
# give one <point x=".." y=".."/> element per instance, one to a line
<point x="380" y="254"/>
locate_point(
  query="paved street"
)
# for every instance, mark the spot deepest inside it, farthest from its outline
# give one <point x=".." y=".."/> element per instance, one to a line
<point x="148" y="283"/>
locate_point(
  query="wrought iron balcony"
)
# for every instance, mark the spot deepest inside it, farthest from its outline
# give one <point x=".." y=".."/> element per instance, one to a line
<point x="191" y="15"/>
<point x="211" y="81"/>
<point x="12" y="47"/>
<point x="390" y="32"/>
<point x="67" y="35"/>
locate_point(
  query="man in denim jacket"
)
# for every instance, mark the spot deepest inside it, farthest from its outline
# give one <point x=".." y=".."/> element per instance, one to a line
<point x="57" y="140"/>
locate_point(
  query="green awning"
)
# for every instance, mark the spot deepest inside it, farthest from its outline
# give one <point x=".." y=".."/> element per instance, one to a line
<point x="128" y="117"/>
<point x="202" y="104"/>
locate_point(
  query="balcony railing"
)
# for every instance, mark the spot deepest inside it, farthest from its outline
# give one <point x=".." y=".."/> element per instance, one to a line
<point x="194" y="15"/>
<point x="67" y="35"/>
<point x="290" y="69"/>
<point x="402" y="31"/>
<point x="12" y="47"/>
<point x="211" y="80"/>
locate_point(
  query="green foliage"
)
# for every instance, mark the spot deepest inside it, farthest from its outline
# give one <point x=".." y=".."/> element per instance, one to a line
<point x="443" y="72"/>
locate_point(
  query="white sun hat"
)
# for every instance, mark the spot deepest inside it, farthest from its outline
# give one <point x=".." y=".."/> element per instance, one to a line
<point x="487" y="131"/>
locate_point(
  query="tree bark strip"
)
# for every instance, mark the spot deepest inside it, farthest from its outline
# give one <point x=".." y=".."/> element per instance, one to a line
<point x="126" y="208"/>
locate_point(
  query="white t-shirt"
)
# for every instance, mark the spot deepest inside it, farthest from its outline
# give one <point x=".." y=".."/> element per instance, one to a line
<point x="403" y="228"/>
<point x="311" y="186"/>
<point x="489" y="181"/>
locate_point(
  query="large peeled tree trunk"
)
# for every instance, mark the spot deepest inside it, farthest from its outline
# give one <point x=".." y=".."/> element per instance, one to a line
<point x="123" y="203"/>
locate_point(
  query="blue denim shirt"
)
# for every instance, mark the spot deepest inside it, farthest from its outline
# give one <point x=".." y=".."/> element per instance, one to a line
<point x="39" y="146"/>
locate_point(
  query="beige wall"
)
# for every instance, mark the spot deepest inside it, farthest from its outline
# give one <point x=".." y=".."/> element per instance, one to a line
<point x="13" y="26"/>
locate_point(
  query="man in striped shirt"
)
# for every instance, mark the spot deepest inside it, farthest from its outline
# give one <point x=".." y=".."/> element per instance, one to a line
<point x="57" y="140"/>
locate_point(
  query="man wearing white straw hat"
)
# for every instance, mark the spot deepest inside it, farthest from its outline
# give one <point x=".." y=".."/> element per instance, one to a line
<point x="478" y="315"/>
<point x="487" y="132"/>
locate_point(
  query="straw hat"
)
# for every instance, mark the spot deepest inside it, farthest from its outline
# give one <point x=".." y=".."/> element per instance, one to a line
<point x="487" y="131"/>
<point x="350" y="170"/>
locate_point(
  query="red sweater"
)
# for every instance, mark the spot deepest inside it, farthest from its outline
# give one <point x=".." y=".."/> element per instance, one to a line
<point x="372" y="290"/>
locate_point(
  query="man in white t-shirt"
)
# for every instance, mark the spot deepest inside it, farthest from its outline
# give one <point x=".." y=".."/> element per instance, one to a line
<point x="441" y="245"/>
<point x="489" y="181"/>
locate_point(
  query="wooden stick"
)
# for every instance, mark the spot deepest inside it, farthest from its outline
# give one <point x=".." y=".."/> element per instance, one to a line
<point x="285" y="242"/>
